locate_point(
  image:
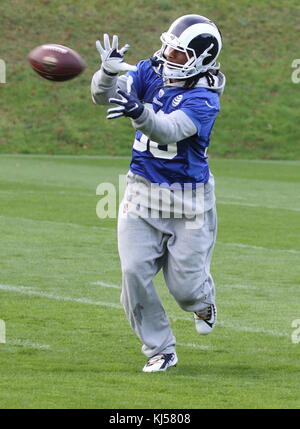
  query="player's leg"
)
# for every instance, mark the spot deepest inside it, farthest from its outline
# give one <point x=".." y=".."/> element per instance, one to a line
<point x="187" y="268"/>
<point x="141" y="249"/>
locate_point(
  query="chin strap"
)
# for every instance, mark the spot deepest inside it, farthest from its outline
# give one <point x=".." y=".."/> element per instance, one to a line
<point x="156" y="62"/>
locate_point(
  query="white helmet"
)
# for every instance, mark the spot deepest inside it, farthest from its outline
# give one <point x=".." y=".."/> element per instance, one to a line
<point x="196" y="36"/>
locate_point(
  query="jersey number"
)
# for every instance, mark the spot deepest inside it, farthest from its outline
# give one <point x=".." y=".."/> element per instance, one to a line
<point x="169" y="153"/>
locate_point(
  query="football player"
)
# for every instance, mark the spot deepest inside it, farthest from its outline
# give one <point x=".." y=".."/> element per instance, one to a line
<point x="167" y="219"/>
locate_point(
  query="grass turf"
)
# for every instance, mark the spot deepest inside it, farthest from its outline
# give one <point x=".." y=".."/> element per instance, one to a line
<point x="68" y="342"/>
<point x="260" y="104"/>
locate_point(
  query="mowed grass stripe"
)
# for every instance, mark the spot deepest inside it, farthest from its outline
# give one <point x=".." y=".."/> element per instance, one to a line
<point x="103" y="228"/>
<point x="27" y="290"/>
<point x="236" y="203"/>
<point x="61" y="249"/>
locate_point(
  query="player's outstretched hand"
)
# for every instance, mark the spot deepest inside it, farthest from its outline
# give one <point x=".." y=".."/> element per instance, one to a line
<point x="112" y="57"/>
<point x="129" y="106"/>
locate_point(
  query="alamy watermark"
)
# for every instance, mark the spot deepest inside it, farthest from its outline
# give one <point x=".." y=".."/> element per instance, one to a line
<point x="2" y="332"/>
<point x="2" y="71"/>
<point x="296" y="333"/>
<point x="138" y="197"/>
<point x="295" y="77"/>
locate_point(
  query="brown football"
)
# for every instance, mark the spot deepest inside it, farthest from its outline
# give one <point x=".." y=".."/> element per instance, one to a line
<point x="56" y="62"/>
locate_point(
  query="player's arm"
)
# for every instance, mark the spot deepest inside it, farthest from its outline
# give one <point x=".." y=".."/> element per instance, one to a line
<point x="106" y="80"/>
<point x="165" y="128"/>
<point x="160" y="127"/>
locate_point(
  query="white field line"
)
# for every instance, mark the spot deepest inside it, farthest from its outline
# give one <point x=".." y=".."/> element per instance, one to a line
<point x="50" y="222"/>
<point x="220" y="201"/>
<point x="103" y="284"/>
<point x="194" y="346"/>
<point x="234" y="160"/>
<point x="236" y="203"/>
<point x="268" y="249"/>
<point x="31" y="192"/>
<point x="233" y="286"/>
<point x="4" y="155"/>
<point x="234" y="197"/>
<point x="236" y="286"/>
<point x="30" y="291"/>
<point x="240" y="328"/>
<point x="27" y="343"/>
<point x="262" y="161"/>
<point x="252" y="329"/>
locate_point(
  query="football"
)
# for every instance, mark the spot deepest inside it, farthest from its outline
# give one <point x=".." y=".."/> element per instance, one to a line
<point x="56" y="62"/>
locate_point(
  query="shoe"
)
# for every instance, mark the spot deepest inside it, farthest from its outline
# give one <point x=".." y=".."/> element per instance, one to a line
<point x="205" y="319"/>
<point x="160" y="362"/>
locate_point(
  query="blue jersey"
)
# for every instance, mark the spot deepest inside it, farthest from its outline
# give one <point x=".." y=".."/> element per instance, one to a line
<point x="183" y="161"/>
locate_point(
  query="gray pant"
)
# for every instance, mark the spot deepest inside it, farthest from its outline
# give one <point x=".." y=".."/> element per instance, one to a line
<point x="147" y="245"/>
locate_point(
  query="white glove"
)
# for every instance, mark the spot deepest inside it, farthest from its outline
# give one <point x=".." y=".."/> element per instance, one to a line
<point x="112" y="58"/>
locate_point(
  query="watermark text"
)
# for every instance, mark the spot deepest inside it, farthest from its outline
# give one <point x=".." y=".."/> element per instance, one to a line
<point x="2" y="71"/>
<point x="296" y="332"/>
<point x="2" y="332"/>
<point x="151" y="200"/>
<point x="296" y="73"/>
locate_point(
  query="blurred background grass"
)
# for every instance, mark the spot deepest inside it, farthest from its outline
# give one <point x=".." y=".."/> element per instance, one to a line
<point x="260" y="106"/>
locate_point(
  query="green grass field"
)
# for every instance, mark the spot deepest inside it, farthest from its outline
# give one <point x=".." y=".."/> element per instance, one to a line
<point x="260" y="104"/>
<point x="68" y="344"/>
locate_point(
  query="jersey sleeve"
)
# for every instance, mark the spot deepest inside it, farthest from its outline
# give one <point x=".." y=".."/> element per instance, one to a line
<point x="140" y="78"/>
<point x="104" y="86"/>
<point x="201" y="110"/>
